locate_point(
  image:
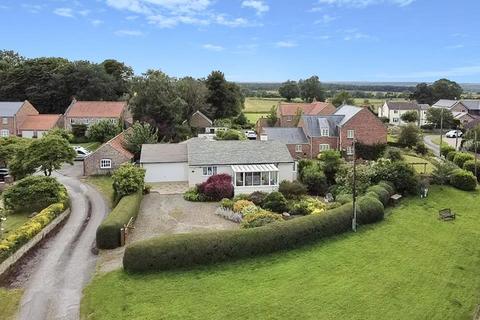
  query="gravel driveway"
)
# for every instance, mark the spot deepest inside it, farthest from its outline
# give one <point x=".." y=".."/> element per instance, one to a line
<point x="168" y="214"/>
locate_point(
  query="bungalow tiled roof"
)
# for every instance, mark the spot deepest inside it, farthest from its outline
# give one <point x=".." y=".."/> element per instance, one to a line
<point x="286" y="135"/>
<point x="96" y="109"/>
<point x="291" y="109"/>
<point x="403" y="105"/>
<point x="40" y="122"/>
<point x="117" y="143"/>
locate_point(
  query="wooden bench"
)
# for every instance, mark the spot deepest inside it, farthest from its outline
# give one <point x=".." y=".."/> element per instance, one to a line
<point x="446" y="214"/>
<point x="395" y="198"/>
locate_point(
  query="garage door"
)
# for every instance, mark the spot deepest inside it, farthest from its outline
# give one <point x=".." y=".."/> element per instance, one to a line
<point x="166" y="172"/>
<point x="27" y="134"/>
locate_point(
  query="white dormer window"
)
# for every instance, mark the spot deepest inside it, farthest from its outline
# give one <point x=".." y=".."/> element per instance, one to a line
<point x="5" y="120"/>
<point x="324" y="132"/>
<point x="298" y="148"/>
<point x="350" y="134"/>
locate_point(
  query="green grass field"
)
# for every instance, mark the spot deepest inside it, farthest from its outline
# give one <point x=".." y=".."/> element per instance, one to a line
<point x="410" y="266"/>
<point x="9" y="303"/>
<point x="253" y="117"/>
<point x="419" y="168"/>
<point x="259" y="105"/>
<point x="104" y="185"/>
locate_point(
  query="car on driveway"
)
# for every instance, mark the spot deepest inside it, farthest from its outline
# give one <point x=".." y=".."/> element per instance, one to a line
<point x="454" y="134"/>
<point x="82" y="153"/>
<point x="251" y="135"/>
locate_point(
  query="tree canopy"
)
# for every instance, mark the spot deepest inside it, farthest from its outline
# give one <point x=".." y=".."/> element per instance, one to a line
<point x="225" y="98"/>
<point x="410" y="116"/>
<point x="311" y="89"/>
<point x="289" y="90"/>
<point x="440" y="89"/>
<point x="343" y="97"/>
<point x="435" y="115"/>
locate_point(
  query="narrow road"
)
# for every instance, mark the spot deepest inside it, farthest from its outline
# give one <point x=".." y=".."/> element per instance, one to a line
<point x="432" y="146"/>
<point x="54" y="290"/>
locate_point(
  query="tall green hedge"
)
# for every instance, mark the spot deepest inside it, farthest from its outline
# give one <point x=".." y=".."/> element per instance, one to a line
<point x="108" y="233"/>
<point x="192" y="249"/>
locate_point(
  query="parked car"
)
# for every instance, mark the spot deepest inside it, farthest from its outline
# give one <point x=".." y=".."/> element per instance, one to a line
<point x="251" y="135"/>
<point x="3" y="173"/>
<point x="82" y="153"/>
<point x="454" y="134"/>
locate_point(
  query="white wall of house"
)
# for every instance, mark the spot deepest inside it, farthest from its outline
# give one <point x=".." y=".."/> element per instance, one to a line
<point x="394" y="116"/>
<point x="27" y="133"/>
<point x="166" y="172"/>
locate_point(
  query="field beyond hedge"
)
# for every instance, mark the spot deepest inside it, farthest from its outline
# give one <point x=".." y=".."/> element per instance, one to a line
<point x="410" y="266"/>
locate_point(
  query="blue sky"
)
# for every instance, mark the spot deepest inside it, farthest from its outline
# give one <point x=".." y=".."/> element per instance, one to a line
<point x="257" y="40"/>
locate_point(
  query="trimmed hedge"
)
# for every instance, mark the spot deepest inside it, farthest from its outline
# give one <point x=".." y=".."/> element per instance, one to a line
<point x="193" y="249"/>
<point x="446" y="149"/>
<point x="470" y="166"/>
<point x="462" y="157"/>
<point x="382" y="194"/>
<point x="344" y="198"/>
<point x="108" y="233"/>
<point x="463" y="180"/>
<point x="451" y="155"/>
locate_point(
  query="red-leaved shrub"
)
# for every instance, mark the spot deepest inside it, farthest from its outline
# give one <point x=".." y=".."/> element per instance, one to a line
<point x="217" y="187"/>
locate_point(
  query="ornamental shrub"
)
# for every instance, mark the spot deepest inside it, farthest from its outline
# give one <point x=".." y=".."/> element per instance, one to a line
<point x="442" y="171"/>
<point x="462" y="157"/>
<point x="194" y="195"/>
<point x="421" y="148"/>
<point x="344" y="198"/>
<point x="292" y="190"/>
<point x="276" y="202"/>
<point x="228" y="214"/>
<point x="127" y="179"/>
<point x="409" y="135"/>
<point x="388" y="186"/>
<point x="20" y="236"/>
<point x="370" y="210"/>
<point x="257" y="197"/>
<point x="34" y="193"/>
<point x="227" y="203"/>
<point x="240" y="204"/>
<point x="463" y="180"/>
<point x="399" y="173"/>
<point x="381" y="193"/>
<point x="469" y="165"/>
<point x="315" y="180"/>
<point x="446" y="149"/>
<point x="451" y="155"/>
<point x="259" y="219"/>
<point x="103" y="130"/>
<point x="368" y="151"/>
<point x="217" y="187"/>
<point x="108" y="233"/>
<point x="393" y="154"/>
<point x="249" y="210"/>
<point x="307" y="206"/>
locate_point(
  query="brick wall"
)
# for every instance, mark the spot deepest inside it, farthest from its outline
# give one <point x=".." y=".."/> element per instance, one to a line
<point x="305" y="154"/>
<point x="27" y="109"/>
<point x="368" y="129"/>
<point x="10" y="126"/>
<point x="317" y="141"/>
<point x="91" y="165"/>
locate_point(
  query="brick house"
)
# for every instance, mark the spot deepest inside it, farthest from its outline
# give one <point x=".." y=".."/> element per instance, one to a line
<point x="200" y="121"/>
<point x="316" y="134"/>
<point x="90" y="112"/>
<point x="289" y="113"/>
<point x="111" y="155"/>
<point x="22" y="119"/>
<point x="465" y="111"/>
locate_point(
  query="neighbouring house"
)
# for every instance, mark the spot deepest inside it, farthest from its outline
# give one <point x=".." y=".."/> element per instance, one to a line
<point x="90" y="112"/>
<point x="254" y="165"/>
<point x="200" y="121"/>
<point x="393" y="110"/>
<point x="20" y="118"/>
<point x="336" y="131"/>
<point x="289" y="113"/>
<point x="108" y="157"/>
<point x="466" y="111"/>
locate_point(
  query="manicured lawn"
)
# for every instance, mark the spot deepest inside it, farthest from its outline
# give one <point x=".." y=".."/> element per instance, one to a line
<point x="436" y="140"/>
<point x="419" y="167"/>
<point x="9" y="303"/>
<point x="253" y="117"/>
<point x="259" y="105"/>
<point x="410" y="266"/>
<point x="13" y="222"/>
<point x="104" y="185"/>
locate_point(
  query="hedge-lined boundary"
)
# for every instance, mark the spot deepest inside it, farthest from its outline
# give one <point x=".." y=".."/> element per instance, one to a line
<point x="30" y="229"/>
<point x="108" y="233"/>
<point x="193" y="249"/>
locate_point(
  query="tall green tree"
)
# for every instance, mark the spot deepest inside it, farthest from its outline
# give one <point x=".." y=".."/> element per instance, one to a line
<point x="446" y="89"/>
<point x="289" y="90"/>
<point x="103" y="130"/>
<point x="311" y="89"/>
<point x="50" y="153"/>
<point x="194" y="92"/>
<point x="435" y="115"/>
<point x="410" y="116"/>
<point x="138" y="134"/>
<point x="225" y="98"/>
<point x="342" y="97"/>
<point x="272" y="117"/>
<point x="423" y="94"/>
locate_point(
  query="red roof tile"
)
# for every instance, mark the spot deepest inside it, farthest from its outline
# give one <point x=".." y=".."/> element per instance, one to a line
<point x="40" y="122"/>
<point x="96" y="109"/>
<point x="118" y="142"/>
<point x="309" y="109"/>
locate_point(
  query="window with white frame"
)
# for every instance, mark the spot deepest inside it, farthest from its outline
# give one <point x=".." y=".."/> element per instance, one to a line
<point x="209" y="171"/>
<point x="5" y="120"/>
<point x="298" y="148"/>
<point x="350" y="134"/>
<point x="324" y="132"/>
<point x="289" y="118"/>
<point x="105" y="163"/>
<point x="324" y="147"/>
<point x="349" y="150"/>
<point x="4" y="133"/>
<point x="249" y="179"/>
<point x="395" y="120"/>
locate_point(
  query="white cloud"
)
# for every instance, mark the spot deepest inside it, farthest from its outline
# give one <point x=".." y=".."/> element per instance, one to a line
<point x="171" y="13"/>
<point x="32" y="8"/>
<point x="259" y="6"/>
<point x="364" y="3"/>
<point x="131" y="33"/>
<point x="64" y="12"/>
<point x="96" y="22"/>
<point x="455" y="46"/>
<point x="325" y="19"/>
<point x="285" y="44"/>
<point x="212" y="47"/>
<point x="84" y="12"/>
<point x="354" y="34"/>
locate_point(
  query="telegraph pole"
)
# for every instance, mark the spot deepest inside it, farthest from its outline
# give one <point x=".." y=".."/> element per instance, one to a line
<point x="475" y="143"/>
<point x="354" y="189"/>
<point x="441" y="131"/>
